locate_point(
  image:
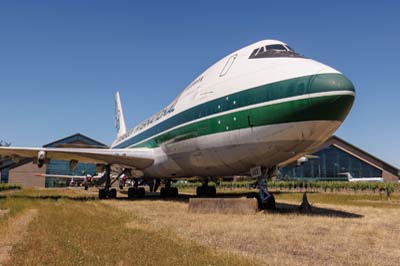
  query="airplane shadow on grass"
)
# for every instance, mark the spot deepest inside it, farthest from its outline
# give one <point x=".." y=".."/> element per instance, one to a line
<point x="285" y="208"/>
<point x="281" y="208"/>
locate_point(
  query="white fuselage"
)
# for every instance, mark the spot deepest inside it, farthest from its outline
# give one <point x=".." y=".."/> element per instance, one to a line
<point x="242" y="113"/>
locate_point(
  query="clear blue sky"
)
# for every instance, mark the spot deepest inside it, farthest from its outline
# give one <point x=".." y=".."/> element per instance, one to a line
<point x="62" y="61"/>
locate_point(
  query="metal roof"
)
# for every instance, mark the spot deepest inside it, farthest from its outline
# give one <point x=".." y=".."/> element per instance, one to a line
<point x="73" y="138"/>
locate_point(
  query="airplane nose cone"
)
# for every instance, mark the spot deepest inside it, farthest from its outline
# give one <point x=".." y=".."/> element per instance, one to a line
<point x="335" y="96"/>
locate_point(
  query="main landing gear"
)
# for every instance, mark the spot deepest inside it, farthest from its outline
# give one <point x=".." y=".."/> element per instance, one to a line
<point x="136" y="191"/>
<point x="168" y="191"/>
<point x="265" y="199"/>
<point x="205" y="190"/>
<point x="107" y="192"/>
<point x="154" y="184"/>
<point x="111" y="193"/>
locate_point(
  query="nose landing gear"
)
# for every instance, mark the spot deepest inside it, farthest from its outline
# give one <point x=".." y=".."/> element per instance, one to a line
<point x="265" y="199"/>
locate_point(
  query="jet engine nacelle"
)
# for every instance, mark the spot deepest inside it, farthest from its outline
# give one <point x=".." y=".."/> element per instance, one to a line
<point x="305" y="159"/>
<point x="302" y="160"/>
<point x="41" y="159"/>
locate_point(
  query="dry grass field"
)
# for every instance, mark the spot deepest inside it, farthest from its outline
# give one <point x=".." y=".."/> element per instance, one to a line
<point x="72" y="227"/>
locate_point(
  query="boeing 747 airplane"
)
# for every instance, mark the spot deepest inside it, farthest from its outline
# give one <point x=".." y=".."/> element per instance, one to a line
<point x="257" y="109"/>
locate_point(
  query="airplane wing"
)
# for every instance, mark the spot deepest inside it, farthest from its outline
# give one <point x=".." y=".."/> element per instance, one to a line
<point x="139" y="158"/>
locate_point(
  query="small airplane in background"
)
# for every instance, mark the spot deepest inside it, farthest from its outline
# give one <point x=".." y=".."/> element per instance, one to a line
<point x="350" y="178"/>
<point x="87" y="180"/>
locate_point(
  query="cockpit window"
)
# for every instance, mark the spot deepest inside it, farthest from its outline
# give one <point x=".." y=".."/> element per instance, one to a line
<point x="289" y="48"/>
<point x="274" y="50"/>
<point x="276" y="47"/>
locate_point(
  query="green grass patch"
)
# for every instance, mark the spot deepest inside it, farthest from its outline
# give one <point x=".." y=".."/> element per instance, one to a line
<point x="10" y="207"/>
<point x="69" y="232"/>
<point x="55" y="194"/>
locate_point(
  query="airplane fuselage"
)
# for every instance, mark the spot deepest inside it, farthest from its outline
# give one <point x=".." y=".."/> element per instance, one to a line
<point x="259" y="106"/>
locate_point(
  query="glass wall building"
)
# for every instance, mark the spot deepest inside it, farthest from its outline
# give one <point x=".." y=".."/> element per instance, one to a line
<point x="331" y="164"/>
<point x="335" y="160"/>
<point x="59" y="167"/>
<point x="4" y="174"/>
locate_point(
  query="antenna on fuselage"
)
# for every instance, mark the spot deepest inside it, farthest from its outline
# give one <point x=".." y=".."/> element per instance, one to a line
<point x="119" y="116"/>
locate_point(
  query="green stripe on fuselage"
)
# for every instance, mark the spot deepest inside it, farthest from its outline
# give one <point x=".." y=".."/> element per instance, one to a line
<point x="295" y="111"/>
<point x="299" y="110"/>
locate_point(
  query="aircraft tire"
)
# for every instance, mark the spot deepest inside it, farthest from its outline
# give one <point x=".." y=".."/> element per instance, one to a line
<point x="102" y="194"/>
<point x="112" y="193"/>
<point x="211" y="191"/>
<point x="200" y="191"/>
<point x="131" y="193"/>
<point x="268" y="205"/>
<point x="163" y="192"/>
<point x="171" y="192"/>
<point x="141" y="192"/>
<point x="174" y="192"/>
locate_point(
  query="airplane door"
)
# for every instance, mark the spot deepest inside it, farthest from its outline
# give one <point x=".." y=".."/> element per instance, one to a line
<point x="228" y="65"/>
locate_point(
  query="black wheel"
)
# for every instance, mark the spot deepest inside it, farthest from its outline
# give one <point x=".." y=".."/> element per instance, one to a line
<point x="174" y="192"/>
<point x="163" y="191"/>
<point x="102" y="193"/>
<point x="269" y="204"/>
<point x="131" y="193"/>
<point x="141" y="192"/>
<point x="112" y="193"/>
<point x="252" y="195"/>
<point x="200" y="191"/>
<point x="211" y="191"/>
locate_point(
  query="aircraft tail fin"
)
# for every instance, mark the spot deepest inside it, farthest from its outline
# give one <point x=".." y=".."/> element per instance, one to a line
<point x="119" y="116"/>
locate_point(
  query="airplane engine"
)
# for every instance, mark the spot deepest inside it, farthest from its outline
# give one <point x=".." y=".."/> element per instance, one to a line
<point x="306" y="158"/>
<point x="122" y="181"/>
<point x="302" y="160"/>
<point x="88" y="179"/>
<point x="41" y="159"/>
<point x="72" y="183"/>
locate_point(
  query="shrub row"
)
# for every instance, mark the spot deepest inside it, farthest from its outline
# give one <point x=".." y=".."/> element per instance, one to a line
<point x="308" y="186"/>
<point x="4" y="187"/>
<point x="334" y="186"/>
